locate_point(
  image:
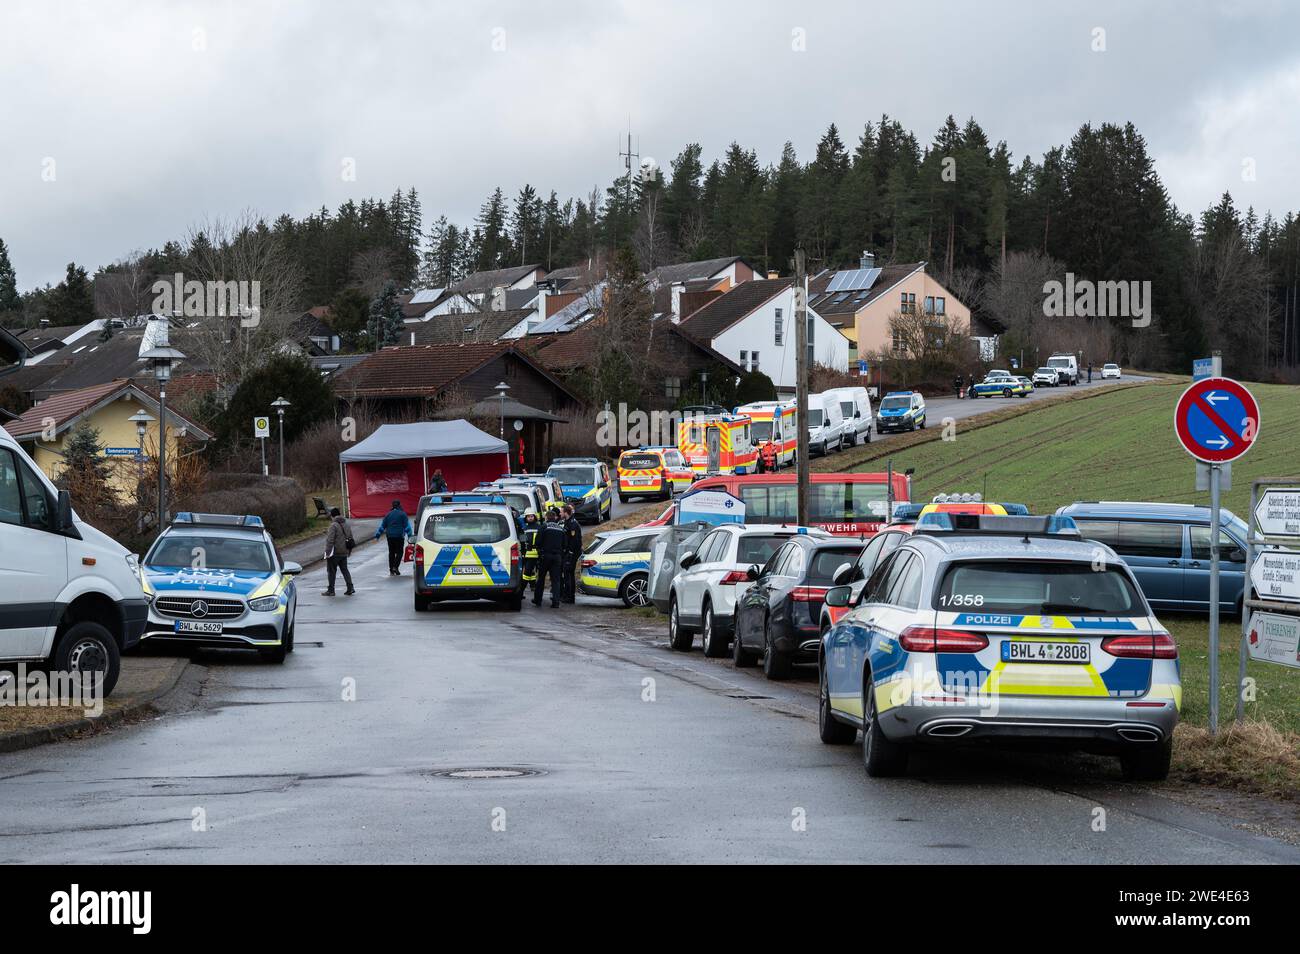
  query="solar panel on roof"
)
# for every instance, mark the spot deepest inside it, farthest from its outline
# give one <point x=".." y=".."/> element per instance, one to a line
<point x="856" y="279"/>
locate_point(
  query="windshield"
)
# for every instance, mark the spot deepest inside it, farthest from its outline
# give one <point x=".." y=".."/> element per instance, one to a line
<point x="520" y="502"/>
<point x="896" y="404"/>
<point x="639" y="462"/>
<point x="1047" y="371"/>
<point x="1070" y="589"/>
<point x="814" y="417"/>
<point x="1058" y="362"/>
<point x="466" y="528"/>
<point x="760" y="430"/>
<point x="847" y="407"/>
<point x="202" y="552"/>
<point x="586" y="476"/>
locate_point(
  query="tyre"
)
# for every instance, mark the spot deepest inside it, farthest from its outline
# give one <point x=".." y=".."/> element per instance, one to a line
<point x="516" y="602"/>
<point x="421" y="603"/>
<point x="829" y="729"/>
<point x="740" y="657"/>
<point x="635" y="590"/>
<point x="288" y="635"/>
<point x="1147" y="762"/>
<point x="880" y="757"/>
<point x="1006" y="392"/>
<point x="88" y="647"/>
<point x="776" y="665"/>
<point x="680" y="637"/>
<point x="621" y="498"/>
<point x="922" y="423"/>
<point x="866" y="438"/>
<point x="274" y="654"/>
<point x="715" y="644"/>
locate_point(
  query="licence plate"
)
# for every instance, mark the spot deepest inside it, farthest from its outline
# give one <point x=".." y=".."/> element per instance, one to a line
<point x="1046" y="652"/>
<point x="466" y="570"/>
<point x="197" y="626"/>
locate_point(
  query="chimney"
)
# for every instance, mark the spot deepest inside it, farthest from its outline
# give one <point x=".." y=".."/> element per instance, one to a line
<point x="678" y="288"/>
<point x="773" y="274"/>
<point x="543" y="293"/>
<point x="499" y="298"/>
<point x="868" y="260"/>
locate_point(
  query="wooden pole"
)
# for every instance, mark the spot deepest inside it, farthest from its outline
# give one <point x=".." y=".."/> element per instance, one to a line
<point x="801" y="382"/>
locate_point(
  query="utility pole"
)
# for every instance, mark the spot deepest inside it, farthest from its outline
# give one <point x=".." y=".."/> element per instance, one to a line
<point x="801" y="382"/>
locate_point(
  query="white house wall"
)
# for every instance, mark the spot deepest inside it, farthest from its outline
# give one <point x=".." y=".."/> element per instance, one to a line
<point x="757" y="332"/>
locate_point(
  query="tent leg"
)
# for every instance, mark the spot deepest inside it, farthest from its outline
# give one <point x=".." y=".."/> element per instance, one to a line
<point x="343" y="479"/>
<point x="424" y="463"/>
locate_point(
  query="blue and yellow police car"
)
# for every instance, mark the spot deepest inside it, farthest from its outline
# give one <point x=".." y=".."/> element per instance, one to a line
<point x="900" y="411"/>
<point x="216" y="581"/>
<point x="617" y="564"/>
<point x="467" y="547"/>
<point x="586" y="485"/>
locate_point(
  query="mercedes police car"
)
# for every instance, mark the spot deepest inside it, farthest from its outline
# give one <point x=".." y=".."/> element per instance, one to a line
<point x="1000" y="628"/>
<point x="467" y="547"/>
<point x="216" y="581"/>
<point x="586" y="485"/>
<point x="900" y="411"/>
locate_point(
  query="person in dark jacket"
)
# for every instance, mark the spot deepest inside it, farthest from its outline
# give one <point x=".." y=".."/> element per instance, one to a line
<point x="338" y="544"/>
<point x="572" y="553"/>
<point x="550" y="550"/>
<point x="529" y="540"/>
<point x="396" y="525"/>
<point x="437" y="483"/>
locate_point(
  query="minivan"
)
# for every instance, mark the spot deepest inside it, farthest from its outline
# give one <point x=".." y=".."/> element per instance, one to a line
<point x="1167" y="546"/>
<point x="825" y="423"/>
<point x="855" y="403"/>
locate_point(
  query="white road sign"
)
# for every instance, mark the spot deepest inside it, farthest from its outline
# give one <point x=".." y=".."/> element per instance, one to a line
<point x="1278" y="512"/>
<point x="1273" y="638"/>
<point x="711" y="506"/>
<point x="1276" y="575"/>
<point x="261" y="427"/>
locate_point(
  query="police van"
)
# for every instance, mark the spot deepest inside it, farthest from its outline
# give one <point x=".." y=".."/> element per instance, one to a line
<point x="586" y="485"/>
<point x="467" y="547"/>
<point x="216" y="581"/>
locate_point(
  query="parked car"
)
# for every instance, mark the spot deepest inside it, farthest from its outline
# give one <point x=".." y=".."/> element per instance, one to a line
<point x="901" y="411"/>
<point x="1167" y="546"/>
<point x="703" y="593"/>
<point x="825" y="424"/>
<point x="995" y="629"/>
<point x="585" y="483"/>
<point x="855" y="403"/>
<point x="1110" y="370"/>
<point x="880" y="546"/>
<point x="778" y="617"/>
<point x="1067" y="366"/>
<point x="1048" y="377"/>
<point x="548" y="487"/>
<point x="617" y="564"/>
<point x="467" y="548"/>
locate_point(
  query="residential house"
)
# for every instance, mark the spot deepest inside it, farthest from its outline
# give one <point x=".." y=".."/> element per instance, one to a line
<point x="752" y="326"/>
<point x="312" y="331"/>
<point x="478" y="287"/>
<point x="430" y="303"/>
<point x="668" y="283"/>
<point x="475" y="327"/>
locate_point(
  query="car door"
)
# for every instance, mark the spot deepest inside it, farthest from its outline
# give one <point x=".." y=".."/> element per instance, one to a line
<point x="751" y="609"/>
<point x="692" y="581"/>
<point x="33" y="560"/>
<point x="1196" y="577"/>
<point x="788" y="574"/>
<point x="849" y="642"/>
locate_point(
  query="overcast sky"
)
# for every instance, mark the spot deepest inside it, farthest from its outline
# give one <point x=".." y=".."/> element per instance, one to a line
<point x="121" y="124"/>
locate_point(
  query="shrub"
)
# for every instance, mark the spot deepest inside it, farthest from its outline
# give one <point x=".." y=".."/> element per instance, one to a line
<point x="279" y="501"/>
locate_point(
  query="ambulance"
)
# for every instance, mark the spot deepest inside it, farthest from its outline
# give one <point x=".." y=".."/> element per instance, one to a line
<point x="718" y="444"/>
<point x="467" y="547"/>
<point x="774" y="429"/>
<point x="656" y="472"/>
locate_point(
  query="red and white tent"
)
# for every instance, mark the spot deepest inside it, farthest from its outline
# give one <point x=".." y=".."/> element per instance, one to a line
<point x="397" y="460"/>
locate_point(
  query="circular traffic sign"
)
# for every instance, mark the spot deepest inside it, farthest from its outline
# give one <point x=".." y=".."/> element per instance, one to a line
<point x="1216" y="420"/>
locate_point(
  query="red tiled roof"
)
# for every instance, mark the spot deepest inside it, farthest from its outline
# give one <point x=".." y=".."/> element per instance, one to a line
<point x="415" y="370"/>
<point x="65" y="407"/>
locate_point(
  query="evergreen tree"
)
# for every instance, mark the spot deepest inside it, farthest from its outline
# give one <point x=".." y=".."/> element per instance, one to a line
<point x="10" y="303"/>
<point x="72" y="302"/>
<point x="385" y="325"/>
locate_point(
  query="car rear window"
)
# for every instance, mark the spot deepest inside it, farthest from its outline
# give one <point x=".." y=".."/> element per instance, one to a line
<point x="1024" y="588"/>
<point x="639" y="461"/>
<point x="758" y="547"/>
<point x="466" y="528"/>
<point x="826" y="560"/>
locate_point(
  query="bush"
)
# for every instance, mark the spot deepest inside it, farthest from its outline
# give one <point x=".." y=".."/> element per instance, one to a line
<point x="279" y="501"/>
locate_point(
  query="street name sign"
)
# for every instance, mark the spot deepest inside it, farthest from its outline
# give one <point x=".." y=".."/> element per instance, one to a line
<point x="1278" y="512"/>
<point x="1275" y="574"/>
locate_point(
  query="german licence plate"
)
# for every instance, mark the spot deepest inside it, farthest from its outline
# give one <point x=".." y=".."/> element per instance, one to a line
<point x="1046" y="652"/>
<point x="198" y="626"/>
<point x="466" y="571"/>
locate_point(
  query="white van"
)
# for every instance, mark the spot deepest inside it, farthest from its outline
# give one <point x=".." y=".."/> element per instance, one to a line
<point x="70" y="596"/>
<point x="1067" y="368"/>
<point x="825" y="424"/>
<point x="855" y="403"/>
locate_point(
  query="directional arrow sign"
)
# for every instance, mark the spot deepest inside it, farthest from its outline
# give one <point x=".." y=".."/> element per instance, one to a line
<point x="1275" y="574"/>
<point x="1278" y="512"/>
<point x="1217" y="420"/>
<point x="1274" y="638"/>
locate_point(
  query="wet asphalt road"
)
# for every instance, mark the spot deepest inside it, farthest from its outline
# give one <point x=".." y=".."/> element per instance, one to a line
<point x="642" y="755"/>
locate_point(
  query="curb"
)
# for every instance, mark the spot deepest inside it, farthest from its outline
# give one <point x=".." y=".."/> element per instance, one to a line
<point x="30" y="738"/>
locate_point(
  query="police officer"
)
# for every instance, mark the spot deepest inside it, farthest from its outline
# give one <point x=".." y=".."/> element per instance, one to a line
<point x="531" y="530"/>
<point x="550" y="549"/>
<point x="572" y="552"/>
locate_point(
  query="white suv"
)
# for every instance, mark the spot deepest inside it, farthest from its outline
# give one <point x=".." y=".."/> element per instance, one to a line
<point x="703" y="595"/>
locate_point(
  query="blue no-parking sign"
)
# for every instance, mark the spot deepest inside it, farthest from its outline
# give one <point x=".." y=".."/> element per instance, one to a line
<point x="1216" y="420"/>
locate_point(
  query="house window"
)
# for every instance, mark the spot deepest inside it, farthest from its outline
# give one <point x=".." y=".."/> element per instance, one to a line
<point x="753" y="361"/>
<point x="898" y="341"/>
<point x="779" y="330"/>
<point x="673" y="387"/>
<point x="929" y="304"/>
<point x="744" y="359"/>
<point x="908" y="305"/>
<point x="939" y="305"/>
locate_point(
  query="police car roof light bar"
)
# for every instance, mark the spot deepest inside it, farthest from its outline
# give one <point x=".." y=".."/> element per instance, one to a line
<point x="189" y="518"/>
<point x="997" y="525"/>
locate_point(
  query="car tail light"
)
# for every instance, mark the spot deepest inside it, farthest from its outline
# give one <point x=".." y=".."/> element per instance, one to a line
<point x="734" y="576"/>
<point x="1157" y="645"/>
<point x="931" y="639"/>
<point x="808" y="594"/>
<point x="514" y="554"/>
<point x="419" y="562"/>
<point x="588" y="564"/>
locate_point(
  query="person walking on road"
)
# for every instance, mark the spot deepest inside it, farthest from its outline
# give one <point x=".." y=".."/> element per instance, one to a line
<point x="572" y="553"/>
<point x="1090" y="372"/>
<point x="396" y="525"/>
<point x="550" y="549"/>
<point x="437" y="483"/>
<point x="531" y="529"/>
<point x="338" y="544"/>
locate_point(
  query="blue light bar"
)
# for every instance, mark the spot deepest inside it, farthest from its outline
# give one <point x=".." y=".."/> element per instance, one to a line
<point x="188" y="518"/>
<point x="466" y="498"/>
<point x="997" y="524"/>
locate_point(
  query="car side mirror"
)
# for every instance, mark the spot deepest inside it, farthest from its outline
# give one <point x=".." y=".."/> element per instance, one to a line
<point x="688" y="561"/>
<point x="838" y="596"/>
<point x="842" y="572"/>
<point x="63" y="518"/>
<point x="752" y="573"/>
<point x="1236" y="555"/>
<point x="291" y="569"/>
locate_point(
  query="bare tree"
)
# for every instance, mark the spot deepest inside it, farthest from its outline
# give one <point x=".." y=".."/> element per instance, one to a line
<point x="371" y="269"/>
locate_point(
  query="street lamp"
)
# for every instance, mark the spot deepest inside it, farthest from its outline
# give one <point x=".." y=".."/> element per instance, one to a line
<point x="141" y="419"/>
<point x="161" y="357"/>
<point x="501" y="390"/>
<point x="280" y="404"/>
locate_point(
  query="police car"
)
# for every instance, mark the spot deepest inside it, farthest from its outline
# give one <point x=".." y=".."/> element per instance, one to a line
<point x="216" y="581"/>
<point x="987" y="628"/>
<point x="467" y="548"/>
<point x="900" y="411"/>
<point x="524" y="496"/>
<point x="617" y="564"/>
<point x="1001" y="384"/>
<point x="586" y="485"/>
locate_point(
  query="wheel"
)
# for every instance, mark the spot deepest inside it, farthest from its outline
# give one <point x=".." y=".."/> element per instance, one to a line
<point x="830" y="729"/>
<point x="740" y="657"/>
<point x="516" y="602"/>
<point x="1147" y="762"/>
<point x="275" y="654"/>
<point x="680" y="637"/>
<point x="421" y="603"/>
<point x="880" y="757"/>
<point x="622" y="499"/>
<point x="866" y="439"/>
<point x="776" y="665"/>
<point x="88" y="647"/>
<point x="715" y="644"/>
<point x="922" y="423"/>
<point x="1006" y="392"/>
<point x="635" y="590"/>
<point x="288" y="635"/>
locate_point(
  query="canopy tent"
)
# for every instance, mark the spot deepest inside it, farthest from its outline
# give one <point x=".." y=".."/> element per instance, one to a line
<point x="397" y="460"/>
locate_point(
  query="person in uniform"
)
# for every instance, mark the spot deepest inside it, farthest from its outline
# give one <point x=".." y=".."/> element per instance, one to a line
<point x="572" y="552"/>
<point x="531" y="529"/>
<point x="550" y="549"/>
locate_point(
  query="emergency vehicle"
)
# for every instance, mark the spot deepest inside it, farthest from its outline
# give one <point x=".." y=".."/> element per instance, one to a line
<point x="586" y="484"/>
<point x="774" y="429"/>
<point x="617" y="564"/>
<point x="525" y="496"/>
<point x="215" y="580"/>
<point x="718" y="444"/>
<point x="467" y="547"/>
<point x="647" y="472"/>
